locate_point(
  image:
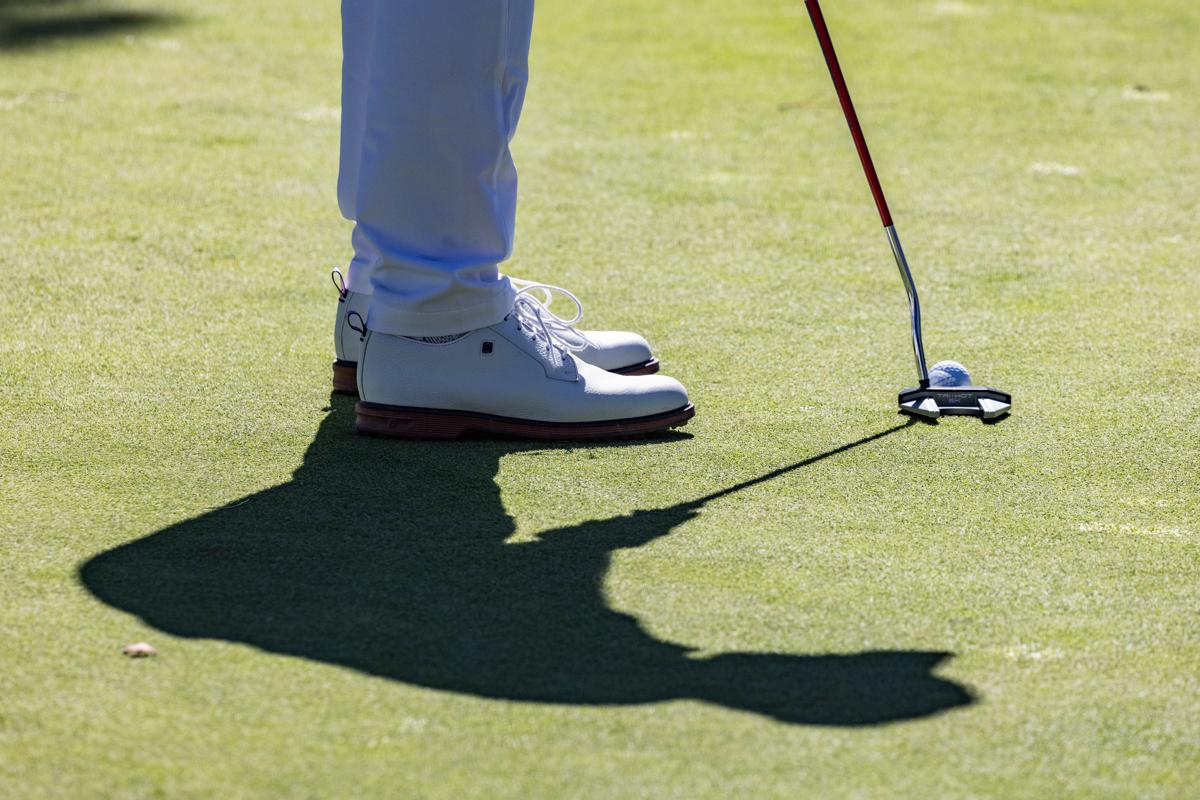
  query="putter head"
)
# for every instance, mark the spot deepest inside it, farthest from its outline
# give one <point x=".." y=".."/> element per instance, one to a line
<point x="972" y="401"/>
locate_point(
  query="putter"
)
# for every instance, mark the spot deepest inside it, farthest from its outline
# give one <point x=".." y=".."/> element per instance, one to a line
<point x="923" y="400"/>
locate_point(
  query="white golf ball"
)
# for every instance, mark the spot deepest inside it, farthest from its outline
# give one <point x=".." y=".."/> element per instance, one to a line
<point x="949" y="373"/>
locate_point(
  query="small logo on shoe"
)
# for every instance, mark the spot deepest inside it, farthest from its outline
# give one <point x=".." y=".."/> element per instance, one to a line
<point x="487" y="348"/>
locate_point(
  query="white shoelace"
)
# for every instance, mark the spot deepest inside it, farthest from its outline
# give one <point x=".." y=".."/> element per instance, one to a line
<point x="532" y="309"/>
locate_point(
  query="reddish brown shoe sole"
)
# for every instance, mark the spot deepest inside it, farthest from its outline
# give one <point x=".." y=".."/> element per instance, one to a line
<point x="425" y="423"/>
<point x="645" y="368"/>
<point x="345" y="379"/>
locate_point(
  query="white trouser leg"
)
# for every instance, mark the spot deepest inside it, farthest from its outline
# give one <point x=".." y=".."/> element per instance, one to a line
<point x="358" y="21"/>
<point x="428" y="112"/>
<point x="362" y="266"/>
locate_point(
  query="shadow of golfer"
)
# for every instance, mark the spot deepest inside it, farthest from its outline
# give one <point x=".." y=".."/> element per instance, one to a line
<point x="389" y="557"/>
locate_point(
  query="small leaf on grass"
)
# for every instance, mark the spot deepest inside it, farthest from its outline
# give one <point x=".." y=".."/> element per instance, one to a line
<point x="139" y="650"/>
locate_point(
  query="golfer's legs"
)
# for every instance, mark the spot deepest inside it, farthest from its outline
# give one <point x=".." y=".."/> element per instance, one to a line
<point x="435" y="194"/>
<point x="358" y="20"/>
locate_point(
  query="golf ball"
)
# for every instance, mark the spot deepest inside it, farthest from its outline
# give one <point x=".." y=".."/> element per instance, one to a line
<point x="949" y="373"/>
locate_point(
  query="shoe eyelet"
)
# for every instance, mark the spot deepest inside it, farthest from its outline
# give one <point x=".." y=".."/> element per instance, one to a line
<point x="487" y="348"/>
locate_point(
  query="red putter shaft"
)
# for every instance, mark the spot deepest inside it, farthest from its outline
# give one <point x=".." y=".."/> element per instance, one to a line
<point x="864" y="155"/>
<point x="839" y="83"/>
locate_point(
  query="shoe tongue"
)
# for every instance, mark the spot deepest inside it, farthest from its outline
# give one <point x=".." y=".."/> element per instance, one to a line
<point x="548" y="351"/>
<point x="551" y="352"/>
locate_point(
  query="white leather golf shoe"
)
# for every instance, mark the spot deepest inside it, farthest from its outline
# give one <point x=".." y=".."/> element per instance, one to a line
<point x="616" y="351"/>
<point x="517" y="378"/>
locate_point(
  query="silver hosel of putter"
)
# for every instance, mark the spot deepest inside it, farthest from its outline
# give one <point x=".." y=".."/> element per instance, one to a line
<point x="923" y="400"/>
<point x="914" y="304"/>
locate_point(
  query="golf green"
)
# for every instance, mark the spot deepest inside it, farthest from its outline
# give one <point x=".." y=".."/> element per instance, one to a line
<point x="797" y="595"/>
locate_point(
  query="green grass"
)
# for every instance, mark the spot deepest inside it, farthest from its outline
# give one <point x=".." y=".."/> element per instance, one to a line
<point x="346" y="617"/>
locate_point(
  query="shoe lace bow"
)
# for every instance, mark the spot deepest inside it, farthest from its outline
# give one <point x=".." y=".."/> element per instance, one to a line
<point x="531" y="306"/>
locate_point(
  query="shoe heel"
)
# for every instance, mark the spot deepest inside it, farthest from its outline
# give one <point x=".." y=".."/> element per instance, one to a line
<point x="345" y="379"/>
<point x="407" y="423"/>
